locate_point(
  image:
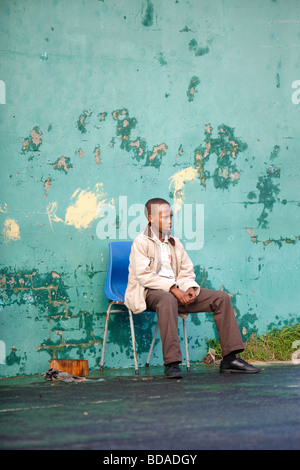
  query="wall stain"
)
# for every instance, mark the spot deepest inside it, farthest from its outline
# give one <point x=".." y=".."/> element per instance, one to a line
<point x="268" y="190"/>
<point x="199" y="51"/>
<point x="160" y="58"/>
<point x="12" y="358"/>
<point x="148" y="17"/>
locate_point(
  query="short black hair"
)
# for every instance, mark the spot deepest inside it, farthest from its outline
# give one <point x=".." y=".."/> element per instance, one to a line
<point x="155" y="200"/>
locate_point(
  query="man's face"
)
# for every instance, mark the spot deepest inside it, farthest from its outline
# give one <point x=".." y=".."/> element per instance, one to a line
<point x="161" y="217"/>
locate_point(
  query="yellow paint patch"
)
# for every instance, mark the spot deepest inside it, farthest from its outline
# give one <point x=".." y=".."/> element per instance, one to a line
<point x="85" y="208"/>
<point x="179" y="180"/>
<point x="11" y="230"/>
<point x="4" y="208"/>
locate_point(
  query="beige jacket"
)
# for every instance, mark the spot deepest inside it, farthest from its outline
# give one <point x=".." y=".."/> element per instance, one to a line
<point x="144" y="264"/>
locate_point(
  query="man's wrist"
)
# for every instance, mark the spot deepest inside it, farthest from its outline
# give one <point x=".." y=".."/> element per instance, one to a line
<point x="174" y="286"/>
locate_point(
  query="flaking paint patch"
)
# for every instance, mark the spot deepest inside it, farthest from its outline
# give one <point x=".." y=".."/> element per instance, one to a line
<point x="278" y="242"/>
<point x="85" y="208"/>
<point x="62" y="163"/>
<point x="194" y="82"/>
<point x="158" y="149"/>
<point x="33" y="142"/>
<point x="11" y="230"/>
<point x="179" y="180"/>
<point x="83" y="120"/>
<point x="97" y="153"/>
<point x="226" y="148"/>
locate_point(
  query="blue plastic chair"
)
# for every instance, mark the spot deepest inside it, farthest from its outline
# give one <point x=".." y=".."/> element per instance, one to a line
<point x="115" y="287"/>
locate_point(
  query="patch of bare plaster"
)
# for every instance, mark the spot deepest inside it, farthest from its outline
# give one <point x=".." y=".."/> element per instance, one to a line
<point x="279" y="241"/>
<point x="80" y="153"/>
<point x="97" y="153"/>
<point x="226" y="148"/>
<point x="25" y="144"/>
<point x="34" y="141"/>
<point x="252" y="234"/>
<point x="36" y="136"/>
<point x="62" y="163"/>
<point x="102" y="116"/>
<point x="85" y="207"/>
<point x="11" y="230"/>
<point x="47" y="184"/>
<point x="83" y="120"/>
<point x="138" y="146"/>
<point x="162" y="148"/>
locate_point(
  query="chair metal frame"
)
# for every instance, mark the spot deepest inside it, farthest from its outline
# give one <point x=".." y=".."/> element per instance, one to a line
<point x="121" y="302"/>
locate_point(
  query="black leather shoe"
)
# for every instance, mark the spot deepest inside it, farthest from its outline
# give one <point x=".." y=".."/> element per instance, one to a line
<point x="173" y="371"/>
<point x="237" y="366"/>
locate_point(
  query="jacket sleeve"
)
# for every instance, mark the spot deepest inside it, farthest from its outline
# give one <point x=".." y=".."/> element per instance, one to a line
<point x="147" y="277"/>
<point x="186" y="275"/>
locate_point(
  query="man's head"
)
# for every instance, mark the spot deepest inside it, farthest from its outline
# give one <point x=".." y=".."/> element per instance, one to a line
<point x="159" y="213"/>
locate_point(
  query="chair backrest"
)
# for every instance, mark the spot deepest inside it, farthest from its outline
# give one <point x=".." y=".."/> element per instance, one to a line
<point x="117" y="270"/>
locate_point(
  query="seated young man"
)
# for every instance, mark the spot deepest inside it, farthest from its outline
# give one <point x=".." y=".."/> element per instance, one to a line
<point x="161" y="278"/>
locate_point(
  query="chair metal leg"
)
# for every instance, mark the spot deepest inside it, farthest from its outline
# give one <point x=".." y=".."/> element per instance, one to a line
<point x="105" y="334"/>
<point x="186" y="346"/>
<point x="152" y="345"/>
<point x="133" y="342"/>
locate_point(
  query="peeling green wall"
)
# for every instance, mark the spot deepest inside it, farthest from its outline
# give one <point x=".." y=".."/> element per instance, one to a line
<point x="196" y="101"/>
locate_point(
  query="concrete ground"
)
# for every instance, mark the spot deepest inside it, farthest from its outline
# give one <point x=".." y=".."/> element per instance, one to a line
<point x="204" y="410"/>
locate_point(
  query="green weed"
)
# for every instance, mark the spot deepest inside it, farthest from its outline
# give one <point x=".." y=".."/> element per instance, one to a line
<point x="275" y="345"/>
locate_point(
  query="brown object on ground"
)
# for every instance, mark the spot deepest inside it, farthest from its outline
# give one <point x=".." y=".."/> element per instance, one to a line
<point x="76" y="367"/>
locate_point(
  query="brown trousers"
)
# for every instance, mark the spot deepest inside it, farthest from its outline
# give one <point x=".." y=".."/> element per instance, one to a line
<point x="167" y="308"/>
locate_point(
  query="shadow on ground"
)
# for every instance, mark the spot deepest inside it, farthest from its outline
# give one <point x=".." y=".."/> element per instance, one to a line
<point x="204" y="410"/>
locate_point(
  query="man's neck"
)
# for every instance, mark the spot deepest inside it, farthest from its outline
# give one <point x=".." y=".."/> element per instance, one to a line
<point x="160" y="235"/>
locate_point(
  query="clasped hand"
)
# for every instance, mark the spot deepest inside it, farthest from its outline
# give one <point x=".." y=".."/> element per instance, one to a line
<point x="185" y="298"/>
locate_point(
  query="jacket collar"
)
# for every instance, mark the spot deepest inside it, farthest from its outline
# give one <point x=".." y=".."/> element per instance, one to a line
<point x="148" y="233"/>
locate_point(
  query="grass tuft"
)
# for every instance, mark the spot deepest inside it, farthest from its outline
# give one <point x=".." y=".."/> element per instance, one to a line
<point x="275" y="345"/>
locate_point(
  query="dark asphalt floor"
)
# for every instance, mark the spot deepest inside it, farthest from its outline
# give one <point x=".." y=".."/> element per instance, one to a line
<point x="204" y="410"/>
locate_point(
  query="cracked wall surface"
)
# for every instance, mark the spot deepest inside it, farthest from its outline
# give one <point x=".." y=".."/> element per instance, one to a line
<point x="195" y="102"/>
